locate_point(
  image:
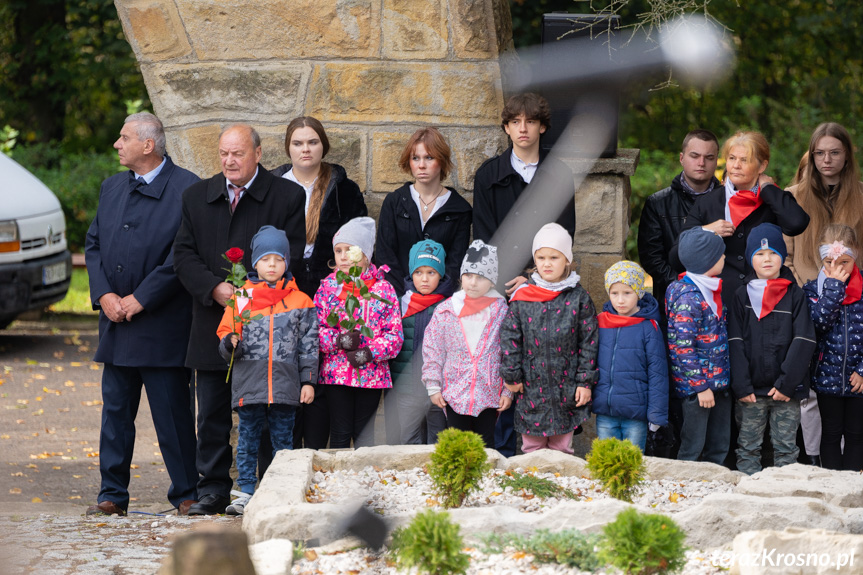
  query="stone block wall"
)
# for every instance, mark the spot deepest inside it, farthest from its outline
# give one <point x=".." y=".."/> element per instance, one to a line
<point x="372" y="71"/>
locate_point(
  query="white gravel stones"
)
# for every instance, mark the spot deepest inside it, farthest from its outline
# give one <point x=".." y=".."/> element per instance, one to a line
<point x="390" y="492"/>
<point x="509" y="563"/>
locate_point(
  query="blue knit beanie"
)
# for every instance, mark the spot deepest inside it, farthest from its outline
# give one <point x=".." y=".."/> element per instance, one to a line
<point x="427" y="253"/>
<point x="765" y="237"/>
<point x="699" y="249"/>
<point x="267" y="241"/>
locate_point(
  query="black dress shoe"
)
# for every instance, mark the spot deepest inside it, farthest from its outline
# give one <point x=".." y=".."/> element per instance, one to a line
<point x="814" y="460"/>
<point x="210" y="504"/>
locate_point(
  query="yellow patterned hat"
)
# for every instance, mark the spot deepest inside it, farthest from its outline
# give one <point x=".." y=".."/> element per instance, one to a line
<point x="626" y="272"/>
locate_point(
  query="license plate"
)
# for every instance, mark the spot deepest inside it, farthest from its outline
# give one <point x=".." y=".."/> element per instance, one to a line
<point x="53" y="273"/>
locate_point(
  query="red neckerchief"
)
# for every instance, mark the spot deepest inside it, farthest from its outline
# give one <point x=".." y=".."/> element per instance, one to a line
<point x="349" y="287"/>
<point x="741" y="204"/>
<point x="532" y="292"/>
<point x="854" y="288"/>
<point x="419" y="302"/>
<point x="717" y="295"/>
<point x="263" y="296"/>
<point x="611" y="320"/>
<point x="764" y="300"/>
<point x="473" y="305"/>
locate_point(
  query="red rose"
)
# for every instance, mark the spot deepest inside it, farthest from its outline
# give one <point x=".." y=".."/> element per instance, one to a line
<point x="234" y="255"/>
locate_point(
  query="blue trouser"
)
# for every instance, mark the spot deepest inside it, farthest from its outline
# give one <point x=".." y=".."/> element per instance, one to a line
<point x="706" y="432"/>
<point x="168" y="395"/>
<point x="622" y="428"/>
<point x="505" y="436"/>
<point x="252" y="418"/>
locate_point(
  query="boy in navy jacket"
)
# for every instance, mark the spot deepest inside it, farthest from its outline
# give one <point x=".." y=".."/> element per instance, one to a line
<point x="771" y="339"/>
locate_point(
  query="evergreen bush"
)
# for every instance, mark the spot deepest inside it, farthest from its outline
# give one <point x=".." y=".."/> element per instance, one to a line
<point x="569" y="547"/>
<point x="432" y="544"/>
<point x="643" y="544"/>
<point x="617" y="465"/>
<point x="457" y="465"/>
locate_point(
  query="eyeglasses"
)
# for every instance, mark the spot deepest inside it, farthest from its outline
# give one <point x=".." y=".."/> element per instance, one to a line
<point x="833" y="153"/>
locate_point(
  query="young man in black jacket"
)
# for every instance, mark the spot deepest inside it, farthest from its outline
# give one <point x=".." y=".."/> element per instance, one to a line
<point x="665" y="212"/>
<point x="499" y="181"/>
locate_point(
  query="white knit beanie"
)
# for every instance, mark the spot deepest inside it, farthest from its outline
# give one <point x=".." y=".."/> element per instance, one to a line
<point x="556" y="237"/>
<point x="358" y="232"/>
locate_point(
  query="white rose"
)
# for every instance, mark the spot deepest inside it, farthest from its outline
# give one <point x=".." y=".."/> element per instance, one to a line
<point x="356" y="254"/>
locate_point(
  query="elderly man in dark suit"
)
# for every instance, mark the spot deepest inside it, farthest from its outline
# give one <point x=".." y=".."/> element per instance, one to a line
<point x="145" y="314"/>
<point x="220" y="213"/>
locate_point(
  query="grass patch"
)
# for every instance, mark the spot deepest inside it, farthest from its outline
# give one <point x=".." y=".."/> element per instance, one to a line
<point x="538" y="486"/>
<point x="77" y="300"/>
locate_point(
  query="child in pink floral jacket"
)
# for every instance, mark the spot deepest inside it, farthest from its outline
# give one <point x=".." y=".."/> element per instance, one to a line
<point x="355" y="368"/>
<point x="461" y="348"/>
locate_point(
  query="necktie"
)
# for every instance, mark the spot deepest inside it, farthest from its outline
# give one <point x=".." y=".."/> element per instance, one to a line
<point x="237" y="191"/>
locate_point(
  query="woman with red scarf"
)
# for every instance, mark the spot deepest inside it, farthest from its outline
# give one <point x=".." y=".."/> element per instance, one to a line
<point x="745" y="201"/>
<point x="837" y="377"/>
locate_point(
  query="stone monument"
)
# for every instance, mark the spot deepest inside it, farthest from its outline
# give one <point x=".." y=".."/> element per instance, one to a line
<point x="372" y="71"/>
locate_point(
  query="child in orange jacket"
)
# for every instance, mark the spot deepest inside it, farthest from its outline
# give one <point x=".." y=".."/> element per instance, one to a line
<point x="275" y="356"/>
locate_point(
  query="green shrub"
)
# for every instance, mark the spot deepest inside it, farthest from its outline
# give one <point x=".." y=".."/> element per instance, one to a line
<point x="432" y="544"/>
<point x="538" y="486"/>
<point x="75" y="179"/>
<point x="643" y="544"/>
<point x="457" y="465"/>
<point x="569" y="547"/>
<point x="617" y="465"/>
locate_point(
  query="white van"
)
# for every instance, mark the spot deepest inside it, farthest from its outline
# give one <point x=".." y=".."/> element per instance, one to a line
<point x="35" y="265"/>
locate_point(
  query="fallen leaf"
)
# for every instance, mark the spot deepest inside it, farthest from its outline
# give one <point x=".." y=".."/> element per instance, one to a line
<point x="36" y="500"/>
<point x="54" y="391"/>
<point x="39" y="412"/>
<point x="74" y="497"/>
<point x="94" y="454"/>
<point x="63" y="409"/>
<point x="15" y="491"/>
<point x="519" y="555"/>
<point x="57" y="467"/>
<point x="58" y="368"/>
<point x="5" y="436"/>
<point x="310" y="555"/>
<point x="59" y="354"/>
<point x="496" y="493"/>
<point x="17" y="474"/>
<point x="38" y="398"/>
<point x="22" y="401"/>
<point x="38" y="376"/>
<point x="94" y="366"/>
<point x="69" y="383"/>
<point x="75" y="364"/>
<point x="432" y="502"/>
<point x="93" y="403"/>
<point x="31" y="362"/>
<point x="134" y="466"/>
<point x="77" y="476"/>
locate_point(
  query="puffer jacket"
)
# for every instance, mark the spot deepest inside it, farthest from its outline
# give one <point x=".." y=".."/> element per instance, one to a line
<point x="839" y="329"/>
<point x="470" y="383"/>
<point x="773" y="351"/>
<point x="406" y="368"/>
<point x="633" y="365"/>
<point x="551" y="348"/>
<point x="343" y="201"/>
<point x="384" y="320"/>
<point x="662" y="219"/>
<point x="697" y="341"/>
<point x="278" y="352"/>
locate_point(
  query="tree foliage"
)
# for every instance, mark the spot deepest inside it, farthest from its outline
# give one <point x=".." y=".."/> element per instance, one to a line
<point x="65" y="71"/>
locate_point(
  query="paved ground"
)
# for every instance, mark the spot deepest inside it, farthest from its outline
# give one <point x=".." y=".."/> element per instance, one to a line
<point x="50" y="405"/>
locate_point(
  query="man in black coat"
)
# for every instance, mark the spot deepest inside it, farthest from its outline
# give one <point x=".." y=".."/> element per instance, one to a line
<point x="665" y="212"/>
<point x="220" y="213"/>
<point x="144" y="315"/>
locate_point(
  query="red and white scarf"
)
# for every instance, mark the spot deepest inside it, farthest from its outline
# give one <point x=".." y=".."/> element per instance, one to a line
<point x="765" y="294"/>
<point x="740" y="203"/>
<point x="710" y="288"/>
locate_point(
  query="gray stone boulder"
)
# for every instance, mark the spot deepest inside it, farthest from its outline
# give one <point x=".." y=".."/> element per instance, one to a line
<point x="721" y="516"/>
<point x="793" y="552"/>
<point x="660" y="468"/>
<point x="547" y="461"/>
<point x="842" y="488"/>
